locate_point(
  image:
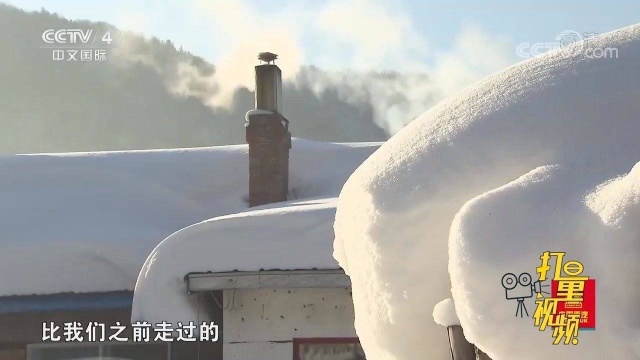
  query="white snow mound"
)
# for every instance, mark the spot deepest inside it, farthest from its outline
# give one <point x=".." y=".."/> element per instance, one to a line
<point x="284" y="236"/>
<point x="444" y="313"/>
<point x="526" y="161"/>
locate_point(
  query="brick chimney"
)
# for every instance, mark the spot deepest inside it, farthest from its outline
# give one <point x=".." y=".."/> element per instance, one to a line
<point x="268" y="137"/>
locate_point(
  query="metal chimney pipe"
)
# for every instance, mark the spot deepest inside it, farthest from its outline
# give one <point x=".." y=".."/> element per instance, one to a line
<point x="269" y="88"/>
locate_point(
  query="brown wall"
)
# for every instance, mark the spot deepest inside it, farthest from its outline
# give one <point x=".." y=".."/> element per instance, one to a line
<point x="27" y="327"/>
<point x="19" y="329"/>
<point x="13" y="354"/>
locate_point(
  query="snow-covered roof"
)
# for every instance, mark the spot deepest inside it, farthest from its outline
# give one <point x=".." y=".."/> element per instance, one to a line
<point x="526" y="161"/>
<point x="285" y="236"/>
<point x="86" y="222"/>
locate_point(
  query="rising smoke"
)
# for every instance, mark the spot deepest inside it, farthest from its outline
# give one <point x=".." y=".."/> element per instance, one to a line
<point x="152" y="95"/>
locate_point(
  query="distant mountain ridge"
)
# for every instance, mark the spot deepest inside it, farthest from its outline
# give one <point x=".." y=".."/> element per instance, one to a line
<point x="128" y="102"/>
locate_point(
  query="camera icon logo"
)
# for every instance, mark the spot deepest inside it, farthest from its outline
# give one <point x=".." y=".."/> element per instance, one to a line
<point x="520" y="288"/>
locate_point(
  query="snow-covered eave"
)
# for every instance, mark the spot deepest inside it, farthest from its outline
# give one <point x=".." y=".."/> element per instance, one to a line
<point x="267" y="279"/>
<point x="233" y="251"/>
<point x="119" y="299"/>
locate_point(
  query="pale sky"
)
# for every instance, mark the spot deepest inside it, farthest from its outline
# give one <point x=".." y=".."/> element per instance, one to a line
<point x="399" y="35"/>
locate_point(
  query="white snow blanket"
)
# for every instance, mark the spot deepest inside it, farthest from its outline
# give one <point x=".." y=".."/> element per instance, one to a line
<point x="539" y="157"/>
<point x="444" y="313"/>
<point x="85" y="222"/>
<point x="284" y="236"/>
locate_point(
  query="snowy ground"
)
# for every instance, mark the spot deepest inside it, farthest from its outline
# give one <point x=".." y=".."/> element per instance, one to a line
<point x="529" y="160"/>
<point x="86" y="222"/>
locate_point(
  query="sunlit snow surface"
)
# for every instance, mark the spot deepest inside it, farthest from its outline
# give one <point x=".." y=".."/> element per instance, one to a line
<point x="536" y="158"/>
<point x="444" y="313"/>
<point x="86" y="222"/>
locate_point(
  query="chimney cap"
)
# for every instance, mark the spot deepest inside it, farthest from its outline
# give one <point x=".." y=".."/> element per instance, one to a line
<point x="267" y="57"/>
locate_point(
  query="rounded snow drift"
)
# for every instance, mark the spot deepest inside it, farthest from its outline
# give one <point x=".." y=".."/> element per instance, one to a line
<point x="480" y="186"/>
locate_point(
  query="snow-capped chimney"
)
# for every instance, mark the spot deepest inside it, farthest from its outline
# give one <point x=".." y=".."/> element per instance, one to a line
<point x="268" y="136"/>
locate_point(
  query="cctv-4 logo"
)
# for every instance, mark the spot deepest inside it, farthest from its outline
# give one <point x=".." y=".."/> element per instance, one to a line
<point x="571" y="304"/>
